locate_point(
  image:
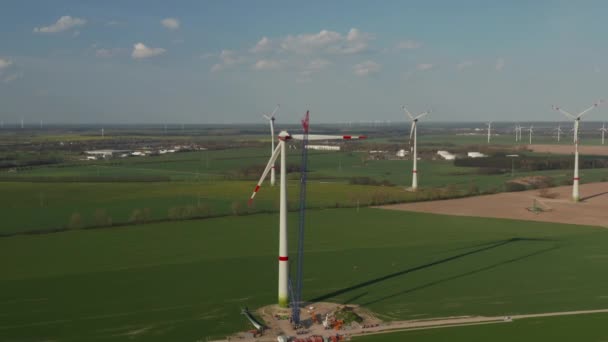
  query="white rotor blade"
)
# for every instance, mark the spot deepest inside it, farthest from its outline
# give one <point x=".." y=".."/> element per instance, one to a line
<point x="407" y="112"/>
<point x="588" y="109"/>
<point x="564" y="112"/>
<point x="266" y="116"/>
<point x="275" y="111"/>
<point x="422" y="114"/>
<point x="327" y="137"/>
<point x="412" y="129"/>
<point x="273" y="158"/>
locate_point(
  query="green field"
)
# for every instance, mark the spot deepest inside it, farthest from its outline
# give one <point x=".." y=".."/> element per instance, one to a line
<point x="556" y="329"/>
<point x="188" y="280"/>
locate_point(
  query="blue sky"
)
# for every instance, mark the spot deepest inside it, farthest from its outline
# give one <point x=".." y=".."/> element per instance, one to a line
<point x="230" y="61"/>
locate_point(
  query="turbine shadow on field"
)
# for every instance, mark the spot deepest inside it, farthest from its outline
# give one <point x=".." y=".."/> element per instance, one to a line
<point x="593" y="196"/>
<point x="489" y="246"/>
<point x="479" y="270"/>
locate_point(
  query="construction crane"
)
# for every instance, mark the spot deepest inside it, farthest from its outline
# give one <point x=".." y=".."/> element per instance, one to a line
<point x="297" y="294"/>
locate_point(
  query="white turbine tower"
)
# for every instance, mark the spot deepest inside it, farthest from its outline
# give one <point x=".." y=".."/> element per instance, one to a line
<point x="270" y="119"/>
<point x="603" y="130"/>
<point x="283" y="245"/>
<point x="559" y="132"/>
<point x="531" y="129"/>
<point x="577" y="119"/>
<point x="413" y="132"/>
<point x="516" y="129"/>
<point x="489" y="130"/>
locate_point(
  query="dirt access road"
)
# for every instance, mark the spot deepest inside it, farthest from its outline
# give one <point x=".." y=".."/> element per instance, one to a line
<point x="592" y="210"/>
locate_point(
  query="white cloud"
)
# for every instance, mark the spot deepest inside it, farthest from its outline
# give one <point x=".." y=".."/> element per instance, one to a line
<point x="500" y="64"/>
<point x="424" y="66"/>
<point x="141" y="51"/>
<point x="407" y="45"/>
<point x="228" y="58"/>
<point x="317" y="64"/>
<point x="12" y="77"/>
<point x="263" y="45"/>
<point x="327" y="41"/>
<point x="356" y="42"/>
<point x="367" y="68"/>
<point x="464" y="64"/>
<point x="170" y="23"/>
<point x="5" y="63"/>
<point x="267" y="64"/>
<point x="64" y="23"/>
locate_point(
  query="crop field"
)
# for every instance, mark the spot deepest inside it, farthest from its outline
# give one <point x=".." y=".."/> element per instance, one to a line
<point x="44" y="206"/>
<point x="188" y="280"/>
<point x="556" y="329"/>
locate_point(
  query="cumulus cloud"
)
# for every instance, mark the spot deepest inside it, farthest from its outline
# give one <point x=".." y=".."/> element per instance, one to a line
<point x="317" y="64"/>
<point x="64" y="23"/>
<point x="261" y="46"/>
<point x="327" y="41"/>
<point x="170" y="23"/>
<point x="407" y="45"/>
<point x="500" y="64"/>
<point x="228" y="58"/>
<point x="424" y="66"/>
<point x="367" y="68"/>
<point x="267" y="64"/>
<point x="5" y="63"/>
<point x="464" y="64"/>
<point x="12" y="77"/>
<point x="141" y="51"/>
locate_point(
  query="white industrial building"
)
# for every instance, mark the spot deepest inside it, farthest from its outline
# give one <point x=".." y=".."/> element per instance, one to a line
<point x="446" y="155"/>
<point x="475" y="155"/>
<point x="402" y="153"/>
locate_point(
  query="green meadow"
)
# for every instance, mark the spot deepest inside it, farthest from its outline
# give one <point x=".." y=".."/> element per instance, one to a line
<point x="188" y="280"/>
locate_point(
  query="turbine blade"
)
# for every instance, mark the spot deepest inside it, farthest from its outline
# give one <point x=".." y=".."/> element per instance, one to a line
<point x="275" y="111"/>
<point x="407" y="112"/>
<point x="271" y="161"/>
<point x="422" y="114"/>
<point x="412" y="130"/>
<point x="588" y="109"/>
<point x="564" y="112"/>
<point x="328" y="137"/>
<point x="266" y="117"/>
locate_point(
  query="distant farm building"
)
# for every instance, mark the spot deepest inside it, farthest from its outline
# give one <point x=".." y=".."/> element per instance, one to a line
<point x="475" y="155"/>
<point x="402" y="153"/>
<point x="323" y="147"/>
<point x="97" y="154"/>
<point x="446" y="155"/>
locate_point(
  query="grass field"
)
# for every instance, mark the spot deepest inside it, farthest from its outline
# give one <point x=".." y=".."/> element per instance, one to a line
<point x="188" y="280"/>
<point x="555" y="329"/>
<point x="51" y="205"/>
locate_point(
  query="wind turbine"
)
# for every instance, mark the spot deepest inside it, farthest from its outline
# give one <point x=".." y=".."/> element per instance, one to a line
<point x="577" y="119"/>
<point x="559" y="132"/>
<point x="283" y="248"/>
<point x="531" y="129"/>
<point x="516" y="130"/>
<point x="413" y="132"/>
<point x="603" y="130"/>
<point x="271" y="121"/>
<point x="489" y="130"/>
